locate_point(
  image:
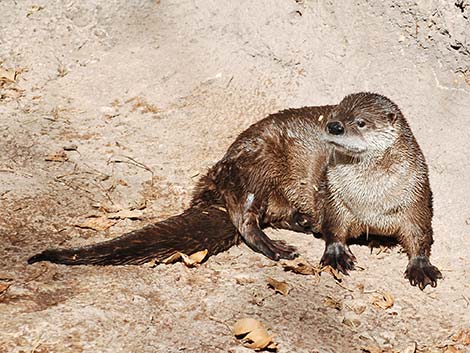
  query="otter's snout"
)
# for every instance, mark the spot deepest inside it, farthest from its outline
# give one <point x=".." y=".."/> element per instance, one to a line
<point x="335" y="128"/>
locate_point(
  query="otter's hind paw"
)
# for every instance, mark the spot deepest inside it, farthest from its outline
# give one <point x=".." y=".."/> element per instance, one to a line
<point x="283" y="250"/>
<point x="421" y="272"/>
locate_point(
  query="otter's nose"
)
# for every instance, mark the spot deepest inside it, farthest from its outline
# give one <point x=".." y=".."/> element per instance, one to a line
<point x="335" y="128"/>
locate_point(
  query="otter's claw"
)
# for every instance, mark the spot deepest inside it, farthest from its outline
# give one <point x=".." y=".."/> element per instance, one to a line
<point x="339" y="257"/>
<point x="421" y="272"/>
<point x="279" y="249"/>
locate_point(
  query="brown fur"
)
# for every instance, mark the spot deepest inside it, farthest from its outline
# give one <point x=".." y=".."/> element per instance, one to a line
<point x="339" y="170"/>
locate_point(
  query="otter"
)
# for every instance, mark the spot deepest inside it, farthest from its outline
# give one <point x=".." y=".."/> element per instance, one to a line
<point x="338" y="171"/>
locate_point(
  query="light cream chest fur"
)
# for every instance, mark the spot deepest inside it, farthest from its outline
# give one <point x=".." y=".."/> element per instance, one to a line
<point x="370" y="193"/>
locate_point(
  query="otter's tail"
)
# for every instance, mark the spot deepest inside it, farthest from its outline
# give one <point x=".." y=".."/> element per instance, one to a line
<point x="196" y="229"/>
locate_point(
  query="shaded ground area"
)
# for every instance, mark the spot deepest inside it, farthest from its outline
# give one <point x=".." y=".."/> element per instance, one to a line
<point x="121" y="105"/>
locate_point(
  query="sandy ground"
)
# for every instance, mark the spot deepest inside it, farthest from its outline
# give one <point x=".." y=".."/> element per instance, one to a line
<point x="120" y="105"/>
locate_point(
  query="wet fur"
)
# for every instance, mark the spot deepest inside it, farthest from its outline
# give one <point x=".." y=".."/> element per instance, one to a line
<point x="287" y="171"/>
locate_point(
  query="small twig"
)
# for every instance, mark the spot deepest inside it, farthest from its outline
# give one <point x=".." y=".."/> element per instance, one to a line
<point x="229" y="82"/>
<point x="371" y="291"/>
<point x="344" y="287"/>
<point x="104" y="175"/>
<point x="76" y="188"/>
<point x="77" y="174"/>
<point x="12" y="171"/>
<point x="142" y="165"/>
<point x="463" y="298"/>
<point x="134" y="162"/>
<point x="105" y="191"/>
<point x="220" y="322"/>
<point x="466" y="300"/>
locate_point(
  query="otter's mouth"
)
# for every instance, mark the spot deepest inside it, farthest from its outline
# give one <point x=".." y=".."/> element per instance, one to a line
<point x="355" y="147"/>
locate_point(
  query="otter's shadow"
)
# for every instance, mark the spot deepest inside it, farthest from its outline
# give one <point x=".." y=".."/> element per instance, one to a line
<point x="370" y="240"/>
<point x="374" y="241"/>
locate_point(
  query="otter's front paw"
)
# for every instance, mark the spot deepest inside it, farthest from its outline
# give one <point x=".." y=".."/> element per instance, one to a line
<point x="339" y="257"/>
<point x="421" y="272"/>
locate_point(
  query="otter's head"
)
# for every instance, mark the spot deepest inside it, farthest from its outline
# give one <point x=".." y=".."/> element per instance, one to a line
<point x="363" y="123"/>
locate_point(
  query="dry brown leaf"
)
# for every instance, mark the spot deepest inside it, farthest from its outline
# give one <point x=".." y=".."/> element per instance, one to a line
<point x="452" y="349"/>
<point x="140" y="205"/>
<point x="253" y="334"/>
<point x="246" y="325"/>
<point x="4" y="287"/>
<point x="12" y="93"/>
<point x="62" y="70"/>
<point x="186" y="260"/>
<point x="190" y="261"/>
<point x="244" y="280"/>
<point x="141" y="104"/>
<point x="279" y="286"/>
<point x="336" y="275"/>
<point x="351" y="322"/>
<point x="303" y="267"/>
<point x="272" y="346"/>
<point x="462" y="337"/>
<point x="122" y="182"/>
<point x="300" y="266"/>
<point x="383" y="300"/>
<point x="124" y="214"/>
<point x="171" y="259"/>
<point x="33" y="9"/>
<point x="7" y="75"/>
<point x="196" y="258"/>
<point x="258" y="339"/>
<point x="333" y="303"/>
<point x="97" y="223"/>
<point x="109" y="209"/>
<point x="359" y="309"/>
<point x="59" y="156"/>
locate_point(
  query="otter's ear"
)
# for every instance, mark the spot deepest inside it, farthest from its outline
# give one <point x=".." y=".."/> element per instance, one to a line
<point x="392" y="118"/>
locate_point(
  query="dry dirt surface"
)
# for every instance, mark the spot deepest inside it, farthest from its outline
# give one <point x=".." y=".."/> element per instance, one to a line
<point x="109" y="106"/>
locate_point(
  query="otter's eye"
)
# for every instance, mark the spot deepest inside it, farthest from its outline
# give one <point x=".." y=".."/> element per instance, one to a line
<point x="360" y="123"/>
